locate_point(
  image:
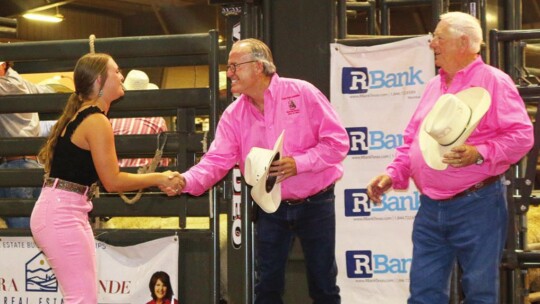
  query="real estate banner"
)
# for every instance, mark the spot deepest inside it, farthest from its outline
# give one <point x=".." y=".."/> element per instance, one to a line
<point x="123" y="272"/>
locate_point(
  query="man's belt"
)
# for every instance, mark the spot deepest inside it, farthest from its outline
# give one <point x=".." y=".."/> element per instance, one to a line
<point x="488" y="181"/>
<point x="292" y="202"/>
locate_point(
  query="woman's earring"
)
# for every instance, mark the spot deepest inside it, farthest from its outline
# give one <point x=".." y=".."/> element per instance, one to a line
<point x="100" y="93"/>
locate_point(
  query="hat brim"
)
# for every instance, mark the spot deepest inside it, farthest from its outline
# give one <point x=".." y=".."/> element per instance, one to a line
<point x="59" y="88"/>
<point x="268" y="198"/>
<point x="479" y="100"/>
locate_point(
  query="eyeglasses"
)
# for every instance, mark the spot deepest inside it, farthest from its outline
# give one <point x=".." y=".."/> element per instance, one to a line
<point x="233" y="66"/>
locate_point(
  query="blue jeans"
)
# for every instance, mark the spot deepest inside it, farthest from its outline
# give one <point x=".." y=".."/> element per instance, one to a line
<point x="470" y="230"/>
<point x="314" y="223"/>
<point x="19" y="192"/>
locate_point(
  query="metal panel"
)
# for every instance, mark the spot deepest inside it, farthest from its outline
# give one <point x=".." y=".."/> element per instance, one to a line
<point x="161" y="45"/>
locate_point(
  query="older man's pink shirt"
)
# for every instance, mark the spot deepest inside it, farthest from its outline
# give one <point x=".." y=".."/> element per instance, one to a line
<point x="503" y="136"/>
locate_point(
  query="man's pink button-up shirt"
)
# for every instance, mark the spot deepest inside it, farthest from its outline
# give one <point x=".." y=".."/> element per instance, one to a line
<point x="314" y="137"/>
<point x="503" y="136"/>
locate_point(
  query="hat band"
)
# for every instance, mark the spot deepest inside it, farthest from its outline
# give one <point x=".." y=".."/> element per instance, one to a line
<point x="464" y="129"/>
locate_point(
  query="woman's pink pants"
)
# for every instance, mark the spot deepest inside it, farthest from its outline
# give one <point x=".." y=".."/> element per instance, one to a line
<point x="60" y="227"/>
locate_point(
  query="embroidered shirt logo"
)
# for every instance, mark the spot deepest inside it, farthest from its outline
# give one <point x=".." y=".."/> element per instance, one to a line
<point x="292" y="107"/>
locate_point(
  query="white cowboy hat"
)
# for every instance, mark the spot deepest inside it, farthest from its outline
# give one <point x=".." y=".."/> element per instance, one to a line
<point x="265" y="192"/>
<point x="138" y="80"/>
<point x="59" y="84"/>
<point x="450" y="122"/>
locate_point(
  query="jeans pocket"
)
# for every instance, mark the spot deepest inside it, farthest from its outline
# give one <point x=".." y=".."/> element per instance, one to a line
<point x="38" y="219"/>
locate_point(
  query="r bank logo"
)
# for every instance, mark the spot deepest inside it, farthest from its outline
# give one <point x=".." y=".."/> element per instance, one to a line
<point x="366" y="264"/>
<point x="358" y="80"/>
<point x="362" y="140"/>
<point x="357" y="203"/>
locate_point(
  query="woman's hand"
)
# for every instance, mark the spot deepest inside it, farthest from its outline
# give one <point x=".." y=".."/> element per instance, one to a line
<point x="173" y="183"/>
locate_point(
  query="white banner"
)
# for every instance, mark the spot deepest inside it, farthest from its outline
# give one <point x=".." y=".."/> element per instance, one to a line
<point x="123" y="272"/>
<point x="375" y="91"/>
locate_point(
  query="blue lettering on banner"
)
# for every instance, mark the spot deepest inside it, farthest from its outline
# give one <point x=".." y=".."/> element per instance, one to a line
<point x="358" y="204"/>
<point x="365" y="264"/>
<point x="398" y="203"/>
<point x="362" y="140"/>
<point x="357" y="80"/>
<point x="385" y="264"/>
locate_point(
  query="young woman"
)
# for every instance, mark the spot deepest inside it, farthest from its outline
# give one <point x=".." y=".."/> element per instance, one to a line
<point x="80" y="151"/>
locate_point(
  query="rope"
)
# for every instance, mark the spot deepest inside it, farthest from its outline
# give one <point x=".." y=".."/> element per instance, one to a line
<point x="204" y="142"/>
<point x="91" y="43"/>
<point x="149" y="168"/>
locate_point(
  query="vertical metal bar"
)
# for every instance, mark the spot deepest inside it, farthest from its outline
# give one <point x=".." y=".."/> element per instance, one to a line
<point x="436" y="11"/>
<point x="372" y="16"/>
<point x="267" y="13"/>
<point x="247" y="240"/>
<point x="512" y="13"/>
<point x="249" y="30"/>
<point x="248" y="24"/>
<point x="342" y="19"/>
<point x="213" y="67"/>
<point x="385" y="18"/>
<point x="494" y="48"/>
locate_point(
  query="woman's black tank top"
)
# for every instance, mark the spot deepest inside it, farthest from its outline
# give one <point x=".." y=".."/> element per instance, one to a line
<point x="70" y="162"/>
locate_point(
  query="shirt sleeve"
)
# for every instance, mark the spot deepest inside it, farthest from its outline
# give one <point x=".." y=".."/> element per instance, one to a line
<point x="333" y="141"/>
<point x="513" y="136"/>
<point x="223" y="154"/>
<point x="13" y="84"/>
<point x="399" y="169"/>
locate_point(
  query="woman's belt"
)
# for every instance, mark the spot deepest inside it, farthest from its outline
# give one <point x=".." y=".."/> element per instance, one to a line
<point x="57" y="183"/>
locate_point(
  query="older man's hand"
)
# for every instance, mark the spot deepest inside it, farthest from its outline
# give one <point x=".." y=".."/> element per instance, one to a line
<point x="461" y="156"/>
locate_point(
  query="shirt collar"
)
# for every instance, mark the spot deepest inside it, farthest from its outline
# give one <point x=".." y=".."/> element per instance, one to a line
<point x="465" y="71"/>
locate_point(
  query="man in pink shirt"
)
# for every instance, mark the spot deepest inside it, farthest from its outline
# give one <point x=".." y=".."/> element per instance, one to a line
<point x="315" y="143"/>
<point x="463" y="212"/>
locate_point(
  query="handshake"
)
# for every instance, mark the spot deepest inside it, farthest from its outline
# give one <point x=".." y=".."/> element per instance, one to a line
<point x="172" y="183"/>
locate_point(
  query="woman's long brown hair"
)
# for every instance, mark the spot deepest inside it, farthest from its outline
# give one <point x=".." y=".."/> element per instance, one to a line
<point x="87" y="70"/>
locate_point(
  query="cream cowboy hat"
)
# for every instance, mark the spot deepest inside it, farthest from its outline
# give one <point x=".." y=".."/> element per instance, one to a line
<point x="138" y="80"/>
<point x="450" y="122"/>
<point x="265" y="192"/>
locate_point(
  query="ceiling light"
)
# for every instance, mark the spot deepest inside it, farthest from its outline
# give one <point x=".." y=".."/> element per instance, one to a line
<point x="45" y="18"/>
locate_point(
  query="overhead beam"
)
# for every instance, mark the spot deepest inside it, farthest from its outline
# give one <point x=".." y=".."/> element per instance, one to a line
<point x="48" y="6"/>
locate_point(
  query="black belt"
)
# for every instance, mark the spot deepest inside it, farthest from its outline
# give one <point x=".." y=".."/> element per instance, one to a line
<point x="488" y="181"/>
<point x="292" y="202"/>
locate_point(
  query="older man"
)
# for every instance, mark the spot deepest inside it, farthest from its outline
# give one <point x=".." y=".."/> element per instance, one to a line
<point x="463" y="213"/>
<point x="314" y="145"/>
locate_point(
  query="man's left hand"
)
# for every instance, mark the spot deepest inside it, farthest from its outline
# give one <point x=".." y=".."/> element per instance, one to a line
<point x="461" y="156"/>
<point x="283" y="168"/>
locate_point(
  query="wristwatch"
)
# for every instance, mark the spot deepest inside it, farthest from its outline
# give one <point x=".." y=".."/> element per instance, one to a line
<point x="480" y="159"/>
